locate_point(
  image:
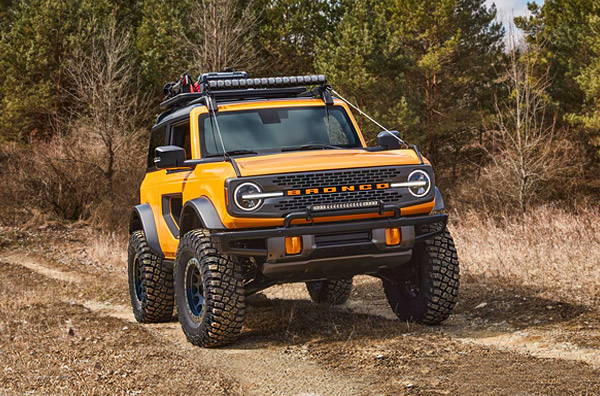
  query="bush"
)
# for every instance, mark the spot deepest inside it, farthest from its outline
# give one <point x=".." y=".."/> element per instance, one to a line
<point x="63" y="179"/>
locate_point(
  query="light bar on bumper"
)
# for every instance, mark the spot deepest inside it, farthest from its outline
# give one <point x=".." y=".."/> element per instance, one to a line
<point x="345" y="205"/>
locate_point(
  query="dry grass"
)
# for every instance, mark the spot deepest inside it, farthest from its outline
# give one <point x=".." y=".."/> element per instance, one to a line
<point x="107" y="249"/>
<point x="547" y="249"/>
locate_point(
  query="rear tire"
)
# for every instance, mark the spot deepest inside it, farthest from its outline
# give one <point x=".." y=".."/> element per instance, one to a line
<point x="428" y="292"/>
<point x="331" y="292"/>
<point x="150" y="282"/>
<point x="209" y="292"/>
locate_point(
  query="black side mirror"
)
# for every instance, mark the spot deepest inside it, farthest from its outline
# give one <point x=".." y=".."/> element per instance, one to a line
<point x="169" y="157"/>
<point x="389" y="140"/>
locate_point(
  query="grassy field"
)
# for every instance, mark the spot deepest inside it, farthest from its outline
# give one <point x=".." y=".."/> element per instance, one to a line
<point x="549" y="250"/>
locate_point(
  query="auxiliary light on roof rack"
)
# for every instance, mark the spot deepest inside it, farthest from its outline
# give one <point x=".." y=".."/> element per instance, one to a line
<point x="266" y="82"/>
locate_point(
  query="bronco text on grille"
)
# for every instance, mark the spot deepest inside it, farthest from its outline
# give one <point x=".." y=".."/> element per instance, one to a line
<point x="300" y="191"/>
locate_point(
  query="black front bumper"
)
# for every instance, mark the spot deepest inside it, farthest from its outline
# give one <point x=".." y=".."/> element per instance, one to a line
<point x="330" y="250"/>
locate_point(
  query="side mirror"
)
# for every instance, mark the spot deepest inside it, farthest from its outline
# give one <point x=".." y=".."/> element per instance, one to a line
<point x="169" y="157"/>
<point x="389" y="140"/>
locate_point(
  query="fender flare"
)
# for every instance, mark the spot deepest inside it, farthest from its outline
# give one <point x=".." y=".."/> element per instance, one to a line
<point x="439" y="201"/>
<point x="199" y="212"/>
<point x="142" y="218"/>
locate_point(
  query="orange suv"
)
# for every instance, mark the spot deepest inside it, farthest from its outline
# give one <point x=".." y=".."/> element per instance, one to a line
<point x="253" y="182"/>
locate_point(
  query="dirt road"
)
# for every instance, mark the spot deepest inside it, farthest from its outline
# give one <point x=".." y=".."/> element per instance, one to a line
<point x="66" y="327"/>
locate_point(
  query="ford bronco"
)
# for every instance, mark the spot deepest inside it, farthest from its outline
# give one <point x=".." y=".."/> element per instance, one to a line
<point x="253" y="182"/>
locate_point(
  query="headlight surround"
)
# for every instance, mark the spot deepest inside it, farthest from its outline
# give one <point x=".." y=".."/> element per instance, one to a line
<point x="247" y="188"/>
<point x="419" y="176"/>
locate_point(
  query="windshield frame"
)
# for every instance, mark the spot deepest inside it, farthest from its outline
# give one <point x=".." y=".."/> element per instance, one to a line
<point x="349" y="121"/>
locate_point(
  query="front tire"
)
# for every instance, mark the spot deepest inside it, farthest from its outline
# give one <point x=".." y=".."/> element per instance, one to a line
<point x="150" y="282"/>
<point x="209" y="292"/>
<point x="331" y="292"/>
<point x="428" y="291"/>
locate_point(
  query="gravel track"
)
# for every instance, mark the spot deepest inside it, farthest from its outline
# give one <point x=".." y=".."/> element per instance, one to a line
<point x="290" y="346"/>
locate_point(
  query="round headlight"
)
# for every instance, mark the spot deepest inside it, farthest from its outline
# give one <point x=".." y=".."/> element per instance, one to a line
<point x="243" y="190"/>
<point x="421" y="178"/>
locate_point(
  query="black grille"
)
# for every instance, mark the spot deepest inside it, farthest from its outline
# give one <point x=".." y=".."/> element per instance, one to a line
<point x="329" y="180"/>
<point x="337" y="178"/>
<point x="304" y="201"/>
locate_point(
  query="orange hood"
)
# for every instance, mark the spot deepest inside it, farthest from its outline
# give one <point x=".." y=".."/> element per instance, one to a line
<point x="313" y="160"/>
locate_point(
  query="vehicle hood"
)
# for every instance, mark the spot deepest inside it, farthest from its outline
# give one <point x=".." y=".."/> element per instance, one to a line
<point x="314" y="160"/>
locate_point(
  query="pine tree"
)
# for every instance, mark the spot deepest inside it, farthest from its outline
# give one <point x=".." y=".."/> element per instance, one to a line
<point x="289" y="30"/>
<point x="429" y="67"/>
<point x="160" y="42"/>
<point x="560" y="28"/>
<point x="589" y="83"/>
<point x="568" y="33"/>
<point x="34" y="49"/>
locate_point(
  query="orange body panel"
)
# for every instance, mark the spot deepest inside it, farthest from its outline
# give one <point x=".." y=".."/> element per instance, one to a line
<point x="208" y="179"/>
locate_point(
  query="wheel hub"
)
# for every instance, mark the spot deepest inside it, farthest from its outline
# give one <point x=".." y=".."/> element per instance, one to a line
<point x="137" y="278"/>
<point x="194" y="290"/>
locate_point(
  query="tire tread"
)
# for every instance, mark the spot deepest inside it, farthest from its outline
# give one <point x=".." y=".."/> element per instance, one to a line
<point x="225" y="305"/>
<point x="331" y="291"/>
<point x="157" y="283"/>
<point x="440" y="293"/>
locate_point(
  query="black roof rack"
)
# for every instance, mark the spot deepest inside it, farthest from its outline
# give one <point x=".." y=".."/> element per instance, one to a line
<point x="236" y="85"/>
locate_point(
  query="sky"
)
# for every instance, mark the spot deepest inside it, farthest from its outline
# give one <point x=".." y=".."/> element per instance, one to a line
<point x="507" y="9"/>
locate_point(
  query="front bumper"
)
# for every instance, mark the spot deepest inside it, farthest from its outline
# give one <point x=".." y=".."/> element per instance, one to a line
<point x="330" y="250"/>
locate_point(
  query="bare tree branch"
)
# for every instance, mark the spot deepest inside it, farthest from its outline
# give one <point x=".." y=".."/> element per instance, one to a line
<point x="222" y="35"/>
<point x="108" y="104"/>
<point x="526" y="147"/>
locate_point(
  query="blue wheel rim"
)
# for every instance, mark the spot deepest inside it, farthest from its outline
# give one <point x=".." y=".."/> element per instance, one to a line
<point x="137" y="279"/>
<point x="194" y="290"/>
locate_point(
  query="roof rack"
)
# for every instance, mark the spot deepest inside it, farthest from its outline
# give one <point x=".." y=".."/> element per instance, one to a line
<point x="236" y="85"/>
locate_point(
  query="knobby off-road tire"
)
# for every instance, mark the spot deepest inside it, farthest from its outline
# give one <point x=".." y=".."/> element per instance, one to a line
<point x="431" y="291"/>
<point x="209" y="292"/>
<point x="332" y="292"/>
<point x="150" y="282"/>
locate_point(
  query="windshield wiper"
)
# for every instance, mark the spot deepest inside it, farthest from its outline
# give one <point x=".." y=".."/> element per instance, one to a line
<point x="311" y="147"/>
<point x="235" y="152"/>
<point x="241" y="152"/>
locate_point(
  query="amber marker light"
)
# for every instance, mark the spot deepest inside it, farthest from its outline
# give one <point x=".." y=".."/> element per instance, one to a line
<point x="393" y="236"/>
<point x="293" y="245"/>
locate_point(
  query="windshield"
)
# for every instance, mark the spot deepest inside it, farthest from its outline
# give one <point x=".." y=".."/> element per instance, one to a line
<point x="278" y="129"/>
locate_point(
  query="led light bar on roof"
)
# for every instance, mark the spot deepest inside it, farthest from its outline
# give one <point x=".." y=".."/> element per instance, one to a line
<point x="265" y="82"/>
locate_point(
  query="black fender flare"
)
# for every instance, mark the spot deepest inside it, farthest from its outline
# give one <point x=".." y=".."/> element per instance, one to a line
<point x="199" y="213"/>
<point x="142" y="218"/>
<point x="439" y="201"/>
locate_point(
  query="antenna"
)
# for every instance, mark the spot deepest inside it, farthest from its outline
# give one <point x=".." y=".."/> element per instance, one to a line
<point x="212" y="109"/>
<point x="367" y="116"/>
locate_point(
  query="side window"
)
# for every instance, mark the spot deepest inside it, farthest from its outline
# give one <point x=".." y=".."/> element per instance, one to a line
<point x="158" y="137"/>
<point x="180" y="136"/>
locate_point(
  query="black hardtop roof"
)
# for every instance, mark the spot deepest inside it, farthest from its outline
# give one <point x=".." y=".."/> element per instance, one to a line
<point x="182" y="113"/>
